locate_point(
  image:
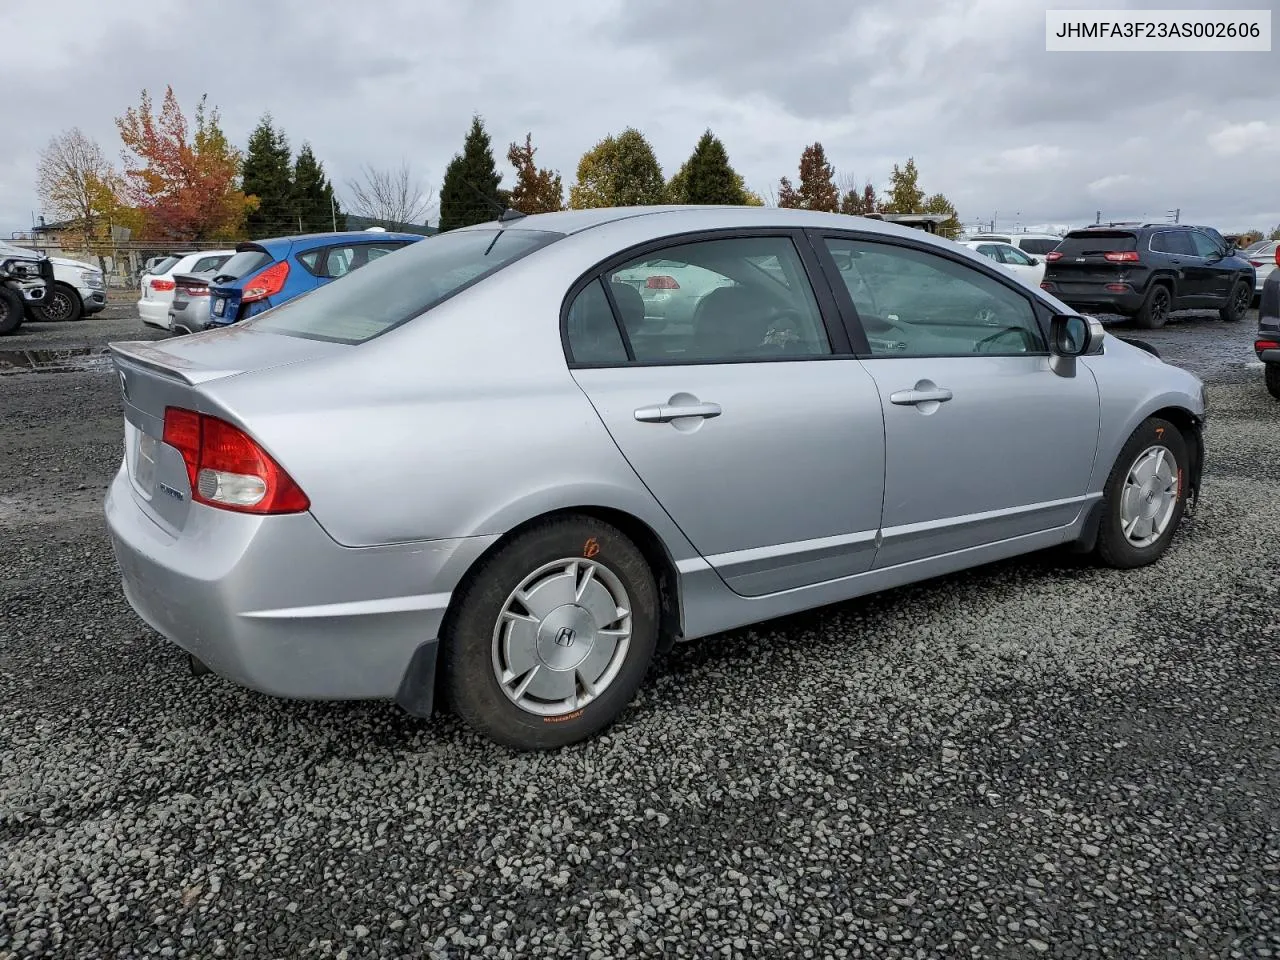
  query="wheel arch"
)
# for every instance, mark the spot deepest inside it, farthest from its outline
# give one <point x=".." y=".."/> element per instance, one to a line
<point x="641" y="533"/>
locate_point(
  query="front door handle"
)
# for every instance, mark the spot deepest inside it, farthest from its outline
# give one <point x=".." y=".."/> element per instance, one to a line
<point x="666" y="412"/>
<point x="907" y="398"/>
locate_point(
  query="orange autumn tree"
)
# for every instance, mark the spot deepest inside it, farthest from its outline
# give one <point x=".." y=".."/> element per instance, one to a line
<point x="187" y="187"/>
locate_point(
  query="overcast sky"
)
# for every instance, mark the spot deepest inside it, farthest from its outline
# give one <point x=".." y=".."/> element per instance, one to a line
<point x="967" y="88"/>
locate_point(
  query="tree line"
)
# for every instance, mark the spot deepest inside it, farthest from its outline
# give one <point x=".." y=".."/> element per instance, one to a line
<point x="183" y="180"/>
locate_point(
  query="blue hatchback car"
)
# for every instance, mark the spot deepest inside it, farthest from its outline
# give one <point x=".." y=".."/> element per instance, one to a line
<point x="266" y="273"/>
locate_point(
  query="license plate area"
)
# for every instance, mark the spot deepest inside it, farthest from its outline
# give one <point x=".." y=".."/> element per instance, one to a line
<point x="219" y="305"/>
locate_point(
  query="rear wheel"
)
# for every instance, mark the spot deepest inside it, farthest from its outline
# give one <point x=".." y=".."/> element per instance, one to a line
<point x="1145" y="496"/>
<point x="62" y="304"/>
<point x="1272" y="375"/>
<point x="552" y="635"/>
<point x="10" y="309"/>
<point x="1155" y="309"/>
<point x="1237" y="304"/>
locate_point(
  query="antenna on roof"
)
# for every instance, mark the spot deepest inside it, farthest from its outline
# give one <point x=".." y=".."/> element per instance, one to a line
<point x="505" y="214"/>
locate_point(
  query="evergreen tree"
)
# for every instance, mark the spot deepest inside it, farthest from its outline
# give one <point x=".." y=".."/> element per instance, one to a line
<point x="537" y="190"/>
<point x="315" y="209"/>
<point x="905" y="195"/>
<point x="940" y="204"/>
<point x="470" y="192"/>
<point x="708" y="176"/>
<point x="267" y="177"/>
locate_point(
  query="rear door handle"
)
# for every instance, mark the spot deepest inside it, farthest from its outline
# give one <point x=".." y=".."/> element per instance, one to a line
<point x="907" y="398"/>
<point x="665" y="413"/>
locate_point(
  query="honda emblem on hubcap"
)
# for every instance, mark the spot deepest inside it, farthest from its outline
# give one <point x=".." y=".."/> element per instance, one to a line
<point x="564" y="637"/>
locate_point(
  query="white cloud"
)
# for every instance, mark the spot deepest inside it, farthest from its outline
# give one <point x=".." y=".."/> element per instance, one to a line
<point x="1108" y="183"/>
<point x="1238" y="138"/>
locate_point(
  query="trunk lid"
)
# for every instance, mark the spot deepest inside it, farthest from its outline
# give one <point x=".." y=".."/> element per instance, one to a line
<point x="1083" y="261"/>
<point x="154" y="375"/>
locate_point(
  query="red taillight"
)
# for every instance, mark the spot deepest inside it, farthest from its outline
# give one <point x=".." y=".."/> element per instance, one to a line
<point x="1278" y="256"/>
<point x="1052" y="255"/>
<point x="1122" y="256"/>
<point x="660" y="282"/>
<point x="162" y="285"/>
<point x="1255" y="263"/>
<point x="227" y="469"/>
<point x="197" y="291"/>
<point x="1046" y="286"/>
<point x="1261" y="345"/>
<point x="1117" y="287"/>
<point x="266" y="284"/>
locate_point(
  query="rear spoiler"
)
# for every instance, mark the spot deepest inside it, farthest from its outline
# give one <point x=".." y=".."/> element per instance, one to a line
<point x="145" y="354"/>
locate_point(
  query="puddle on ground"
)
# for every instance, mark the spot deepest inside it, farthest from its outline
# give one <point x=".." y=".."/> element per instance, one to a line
<point x="66" y="360"/>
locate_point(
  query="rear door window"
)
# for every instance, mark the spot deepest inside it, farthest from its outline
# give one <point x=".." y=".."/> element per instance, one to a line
<point x="394" y="290"/>
<point x="1038" y="247"/>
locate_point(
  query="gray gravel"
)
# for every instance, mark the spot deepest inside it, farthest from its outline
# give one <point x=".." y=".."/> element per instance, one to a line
<point x="1038" y="758"/>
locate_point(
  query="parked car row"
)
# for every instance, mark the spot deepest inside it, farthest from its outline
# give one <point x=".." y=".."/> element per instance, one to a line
<point x="215" y="288"/>
<point x="815" y="408"/>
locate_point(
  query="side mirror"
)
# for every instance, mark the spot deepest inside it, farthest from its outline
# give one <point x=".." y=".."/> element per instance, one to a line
<point x="1072" y="336"/>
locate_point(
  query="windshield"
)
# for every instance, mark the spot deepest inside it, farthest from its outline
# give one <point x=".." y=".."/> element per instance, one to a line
<point x="392" y="290"/>
<point x="165" y="264"/>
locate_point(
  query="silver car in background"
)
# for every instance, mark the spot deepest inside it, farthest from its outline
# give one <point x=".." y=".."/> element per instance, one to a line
<point x="478" y="471"/>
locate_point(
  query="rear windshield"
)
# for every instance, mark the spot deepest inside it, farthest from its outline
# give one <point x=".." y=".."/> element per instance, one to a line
<point x="1037" y="247"/>
<point x="166" y="264"/>
<point x="393" y="290"/>
<point x="1096" y="242"/>
<point x="246" y="261"/>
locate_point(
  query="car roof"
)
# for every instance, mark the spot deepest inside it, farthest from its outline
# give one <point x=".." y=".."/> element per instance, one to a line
<point x="667" y="220"/>
<point x="305" y="240"/>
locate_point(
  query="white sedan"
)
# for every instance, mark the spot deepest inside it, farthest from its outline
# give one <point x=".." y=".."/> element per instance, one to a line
<point x="158" y="284"/>
<point x="1030" y="270"/>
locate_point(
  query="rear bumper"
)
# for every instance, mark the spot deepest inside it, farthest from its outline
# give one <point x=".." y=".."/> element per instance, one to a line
<point x="1269" y="356"/>
<point x="273" y="604"/>
<point x="1081" y="297"/>
<point x="154" y="312"/>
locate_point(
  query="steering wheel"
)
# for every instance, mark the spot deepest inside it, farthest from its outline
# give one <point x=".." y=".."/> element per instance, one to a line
<point x="994" y="340"/>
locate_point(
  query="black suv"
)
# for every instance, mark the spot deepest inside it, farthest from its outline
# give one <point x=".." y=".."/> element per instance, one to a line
<point x="1267" y="343"/>
<point x="1147" y="270"/>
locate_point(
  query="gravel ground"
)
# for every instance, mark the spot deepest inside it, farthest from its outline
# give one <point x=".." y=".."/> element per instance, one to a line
<point x="1038" y="758"/>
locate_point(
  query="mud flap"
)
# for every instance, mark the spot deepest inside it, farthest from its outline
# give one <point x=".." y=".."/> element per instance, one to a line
<point x="417" y="692"/>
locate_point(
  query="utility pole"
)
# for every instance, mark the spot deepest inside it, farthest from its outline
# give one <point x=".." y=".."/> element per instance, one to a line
<point x="333" y="212"/>
<point x="1097" y="218"/>
<point x="1176" y="214"/>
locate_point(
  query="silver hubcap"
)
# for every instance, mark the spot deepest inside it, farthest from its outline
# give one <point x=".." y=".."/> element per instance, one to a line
<point x="562" y="637"/>
<point x="1150" y="496"/>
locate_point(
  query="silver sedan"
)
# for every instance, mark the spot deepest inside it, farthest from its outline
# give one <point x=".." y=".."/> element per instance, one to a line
<point x="478" y="470"/>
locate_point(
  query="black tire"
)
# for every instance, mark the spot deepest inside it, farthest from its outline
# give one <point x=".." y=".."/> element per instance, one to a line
<point x="1114" y="547"/>
<point x="10" y="310"/>
<point x="1238" y="302"/>
<point x="1272" y="376"/>
<point x="61" y="305"/>
<point x="1155" y="309"/>
<point x="469" y="652"/>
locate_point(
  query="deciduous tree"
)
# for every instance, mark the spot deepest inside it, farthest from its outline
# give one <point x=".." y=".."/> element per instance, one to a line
<point x="76" y="182"/>
<point x="470" y="192"/>
<point x="268" y="178"/>
<point x="394" y="195"/>
<point x="817" y="190"/>
<point x="937" y="203"/>
<point x="537" y="190"/>
<point x="619" y="171"/>
<point x="186" y="184"/>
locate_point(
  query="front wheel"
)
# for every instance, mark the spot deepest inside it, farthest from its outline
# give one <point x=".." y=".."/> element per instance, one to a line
<point x="1145" y="496"/>
<point x="552" y="635"/>
<point x="1272" y="375"/>
<point x="1237" y="304"/>
<point x="10" y="310"/>
<point x="62" y="304"/>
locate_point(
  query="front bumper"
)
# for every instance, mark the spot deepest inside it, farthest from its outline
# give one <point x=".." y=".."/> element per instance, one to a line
<point x="32" y="291"/>
<point x="274" y="604"/>
<point x="93" y="300"/>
